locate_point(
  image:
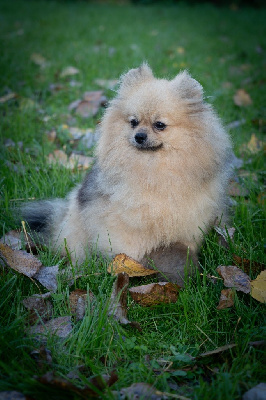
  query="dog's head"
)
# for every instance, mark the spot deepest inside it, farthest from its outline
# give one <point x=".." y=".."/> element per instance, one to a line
<point x="150" y="113"/>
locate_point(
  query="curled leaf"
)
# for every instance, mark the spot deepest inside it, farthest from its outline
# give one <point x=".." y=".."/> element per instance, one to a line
<point x="19" y="260"/>
<point x="234" y="277"/>
<point x="242" y="98"/>
<point x="226" y="299"/>
<point x="155" y="293"/>
<point x="118" y="300"/>
<point x="123" y="263"/>
<point x="60" y="327"/>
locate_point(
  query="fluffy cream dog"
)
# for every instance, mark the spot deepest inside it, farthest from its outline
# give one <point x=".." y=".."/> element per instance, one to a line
<point x="159" y="180"/>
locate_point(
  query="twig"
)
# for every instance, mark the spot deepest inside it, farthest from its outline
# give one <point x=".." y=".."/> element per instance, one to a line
<point x="26" y="235"/>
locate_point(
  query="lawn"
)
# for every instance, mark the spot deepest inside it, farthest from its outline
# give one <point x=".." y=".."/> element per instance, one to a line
<point x="224" y="49"/>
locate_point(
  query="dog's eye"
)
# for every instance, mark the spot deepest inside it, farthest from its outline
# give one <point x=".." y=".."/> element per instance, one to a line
<point x="160" y="126"/>
<point x="134" y="122"/>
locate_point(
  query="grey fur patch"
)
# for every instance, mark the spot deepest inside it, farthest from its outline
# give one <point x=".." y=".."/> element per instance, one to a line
<point x="89" y="190"/>
<point x="175" y="262"/>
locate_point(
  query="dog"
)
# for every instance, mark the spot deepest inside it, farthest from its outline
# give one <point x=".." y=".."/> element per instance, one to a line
<point x="158" y="184"/>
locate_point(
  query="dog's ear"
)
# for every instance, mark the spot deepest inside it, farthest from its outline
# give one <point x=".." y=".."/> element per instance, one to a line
<point x="136" y="76"/>
<point x="188" y="88"/>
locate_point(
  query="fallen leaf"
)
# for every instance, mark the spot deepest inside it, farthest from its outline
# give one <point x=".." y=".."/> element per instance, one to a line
<point x="51" y="135"/>
<point x="258" y="392"/>
<point x="20" y="260"/>
<point x="38" y="59"/>
<point x="78" y="300"/>
<point x="80" y="161"/>
<point x="236" y="190"/>
<point x="56" y="87"/>
<point x="234" y="277"/>
<point x="226" y="234"/>
<point x="258" y="287"/>
<point x="226" y="299"/>
<point x="98" y="384"/>
<point x="141" y="390"/>
<point x="58" y="156"/>
<point x="89" y="105"/>
<point x="106" y="83"/>
<point x="60" y="327"/>
<point x="12" y="395"/>
<point x="12" y="239"/>
<point x="255" y="145"/>
<point x="155" y="293"/>
<point x="47" y="276"/>
<point x="8" y="97"/>
<point x="39" y="306"/>
<point x="261" y="198"/>
<point x="242" y="98"/>
<point x="118" y="300"/>
<point x="69" y="71"/>
<point x="248" y="266"/>
<point x="180" y="50"/>
<point x="123" y="263"/>
<point x="42" y="356"/>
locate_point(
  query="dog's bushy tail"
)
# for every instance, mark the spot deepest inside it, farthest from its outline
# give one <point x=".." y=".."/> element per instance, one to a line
<point x="43" y="216"/>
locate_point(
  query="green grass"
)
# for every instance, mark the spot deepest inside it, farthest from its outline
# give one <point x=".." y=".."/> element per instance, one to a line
<point x="102" y="41"/>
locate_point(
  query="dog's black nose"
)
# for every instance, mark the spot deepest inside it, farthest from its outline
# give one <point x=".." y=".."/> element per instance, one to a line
<point x="140" y="137"/>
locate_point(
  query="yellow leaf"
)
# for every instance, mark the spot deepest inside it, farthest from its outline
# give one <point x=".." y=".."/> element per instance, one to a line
<point x="123" y="263"/>
<point x="258" y="287"/>
<point x="254" y="145"/>
<point x="242" y="98"/>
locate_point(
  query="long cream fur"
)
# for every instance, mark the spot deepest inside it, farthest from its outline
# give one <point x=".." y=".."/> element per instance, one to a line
<point x="149" y="199"/>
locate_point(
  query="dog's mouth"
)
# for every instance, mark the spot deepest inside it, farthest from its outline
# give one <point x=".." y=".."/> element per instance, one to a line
<point x="147" y="147"/>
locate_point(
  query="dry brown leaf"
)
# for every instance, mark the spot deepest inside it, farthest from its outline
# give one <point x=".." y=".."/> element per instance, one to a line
<point x="226" y="299"/>
<point x="261" y="198"/>
<point x="38" y="59"/>
<point x="118" y="300"/>
<point x="255" y="145"/>
<point x="20" y="260"/>
<point x="8" y="97"/>
<point x="12" y="395"/>
<point x="155" y="293"/>
<point x="234" y="277"/>
<point x="80" y="161"/>
<point x="142" y="390"/>
<point x="78" y="302"/>
<point x="100" y="382"/>
<point x="60" y="327"/>
<point x="58" y="156"/>
<point x="123" y="263"/>
<point x="47" y="276"/>
<point x="242" y="98"/>
<point x="236" y="190"/>
<point x="39" y="306"/>
<point x="69" y="71"/>
<point x="225" y="234"/>
<point x="89" y="105"/>
<point x="42" y="356"/>
<point x="248" y="266"/>
<point x="51" y="135"/>
<point x="12" y="239"/>
<point x="258" y="287"/>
